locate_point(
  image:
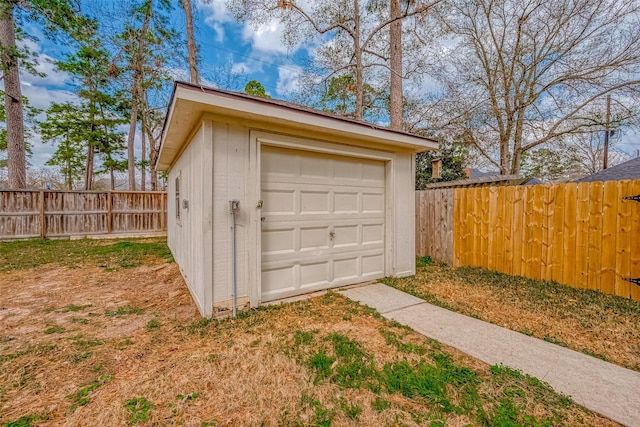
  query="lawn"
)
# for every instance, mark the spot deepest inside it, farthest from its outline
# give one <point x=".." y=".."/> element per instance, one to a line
<point x="591" y="322"/>
<point x="106" y="333"/>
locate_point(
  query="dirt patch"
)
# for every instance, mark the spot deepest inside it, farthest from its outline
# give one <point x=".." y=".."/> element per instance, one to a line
<point x="95" y="346"/>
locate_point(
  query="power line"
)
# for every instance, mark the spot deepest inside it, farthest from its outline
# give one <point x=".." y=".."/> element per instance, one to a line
<point x="251" y="57"/>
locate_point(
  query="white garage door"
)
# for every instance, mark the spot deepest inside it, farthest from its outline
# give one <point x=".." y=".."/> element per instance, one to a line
<point x="323" y="221"/>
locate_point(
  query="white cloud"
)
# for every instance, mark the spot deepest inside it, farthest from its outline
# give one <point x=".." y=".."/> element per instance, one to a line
<point x="288" y="79"/>
<point x="216" y="14"/>
<point x="216" y="10"/>
<point x="266" y="37"/>
<point x="52" y="76"/>
<point x="241" y="68"/>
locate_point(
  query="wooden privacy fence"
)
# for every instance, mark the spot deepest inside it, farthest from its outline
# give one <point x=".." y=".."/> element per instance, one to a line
<point x="585" y="235"/>
<point x="39" y="213"/>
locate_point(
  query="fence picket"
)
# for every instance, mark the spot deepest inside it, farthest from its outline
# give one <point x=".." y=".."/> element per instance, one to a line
<point x="556" y="231"/>
<point x="37" y="213"/>
<point x="581" y="235"/>
<point x="635" y="242"/>
<point x="594" y="259"/>
<point x="609" y="234"/>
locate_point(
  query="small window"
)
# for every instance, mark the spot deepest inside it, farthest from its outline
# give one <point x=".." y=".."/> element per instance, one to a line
<point x="177" y="197"/>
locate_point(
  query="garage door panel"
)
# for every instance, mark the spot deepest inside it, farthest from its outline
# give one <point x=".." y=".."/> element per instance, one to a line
<point x="279" y="241"/>
<point x="314" y="166"/>
<point x="346" y="268"/>
<point x="373" y="203"/>
<point x="279" y="201"/>
<point x="328" y="221"/>
<point x="372" y="233"/>
<point x="347" y="235"/>
<point x="372" y="174"/>
<point x="314" y="202"/>
<point x="345" y="171"/>
<point x="277" y="279"/>
<point x="319" y="253"/>
<point x="314" y="274"/>
<point x="312" y="238"/>
<point x="346" y="202"/>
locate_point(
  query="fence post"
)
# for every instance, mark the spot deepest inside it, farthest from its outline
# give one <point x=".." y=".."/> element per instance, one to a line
<point x="163" y="201"/>
<point x="42" y="224"/>
<point x="109" y="203"/>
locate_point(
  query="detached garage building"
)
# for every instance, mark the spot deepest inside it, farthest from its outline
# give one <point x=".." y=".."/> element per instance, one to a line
<point x="321" y="201"/>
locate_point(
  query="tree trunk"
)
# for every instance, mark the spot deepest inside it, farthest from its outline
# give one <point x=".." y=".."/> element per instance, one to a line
<point x="191" y="43"/>
<point x="359" y="113"/>
<point x="136" y="94"/>
<point x="112" y="178"/>
<point x="88" y="170"/>
<point x="395" y="42"/>
<point x="143" y="155"/>
<point x="16" y="153"/>
<point x="131" y="164"/>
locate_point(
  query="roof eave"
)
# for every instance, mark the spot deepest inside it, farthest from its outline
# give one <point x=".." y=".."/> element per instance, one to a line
<point x="256" y="110"/>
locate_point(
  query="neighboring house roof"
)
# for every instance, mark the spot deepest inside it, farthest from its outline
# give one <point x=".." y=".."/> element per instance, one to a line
<point x="626" y="170"/>
<point x="193" y="101"/>
<point x="477" y="173"/>
<point x="494" y="180"/>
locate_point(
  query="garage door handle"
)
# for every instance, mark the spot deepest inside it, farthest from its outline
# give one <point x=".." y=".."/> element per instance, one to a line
<point x="332" y="234"/>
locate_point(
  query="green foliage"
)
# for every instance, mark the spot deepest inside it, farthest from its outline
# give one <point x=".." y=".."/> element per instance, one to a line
<point x="423" y="261"/>
<point x="547" y="164"/>
<point x="153" y="325"/>
<point x="453" y="156"/>
<point x="81" y="396"/>
<point x="26" y="421"/>
<point x="30" y="113"/>
<point x="123" y="311"/>
<point x="322" y="365"/>
<point x="340" y="97"/>
<point x="67" y="125"/>
<point x="55" y="329"/>
<point x="129" y="253"/>
<point x="431" y="382"/>
<point x="139" y="410"/>
<point x="351" y="410"/>
<point x="380" y="404"/>
<point x="255" y="88"/>
<point x="81" y="344"/>
<point x="75" y="308"/>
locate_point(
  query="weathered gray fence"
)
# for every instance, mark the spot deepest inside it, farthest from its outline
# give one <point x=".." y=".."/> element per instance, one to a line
<point x="42" y="213"/>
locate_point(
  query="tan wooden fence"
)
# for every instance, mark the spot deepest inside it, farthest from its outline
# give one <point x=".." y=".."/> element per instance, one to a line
<point x="38" y="213"/>
<point x="583" y="235"/>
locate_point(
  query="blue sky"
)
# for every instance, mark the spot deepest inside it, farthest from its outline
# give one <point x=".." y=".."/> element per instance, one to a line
<point x="225" y="44"/>
<point x="247" y="53"/>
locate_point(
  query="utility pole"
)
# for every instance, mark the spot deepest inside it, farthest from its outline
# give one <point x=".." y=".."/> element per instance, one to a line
<point x="607" y="131"/>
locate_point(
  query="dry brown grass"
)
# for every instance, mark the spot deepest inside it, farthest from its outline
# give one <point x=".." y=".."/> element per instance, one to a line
<point x="245" y="371"/>
<point x="601" y="325"/>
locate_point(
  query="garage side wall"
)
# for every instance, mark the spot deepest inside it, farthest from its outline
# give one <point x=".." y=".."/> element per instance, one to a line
<point x="190" y="233"/>
<point x="230" y="169"/>
<point x="404" y="250"/>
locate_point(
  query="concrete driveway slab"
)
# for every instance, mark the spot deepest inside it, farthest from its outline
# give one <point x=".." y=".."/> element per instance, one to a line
<point x="381" y="297"/>
<point x="603" y="387"/>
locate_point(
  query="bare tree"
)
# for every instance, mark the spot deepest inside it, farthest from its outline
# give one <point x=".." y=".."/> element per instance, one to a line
<point x="16" y="154"/>
<point x="137" y="64"/>
<point x="395" y="65"/>
<point x="519" y="73"/>
<point x="191" y="42"/>
<point x="359" y="33"/>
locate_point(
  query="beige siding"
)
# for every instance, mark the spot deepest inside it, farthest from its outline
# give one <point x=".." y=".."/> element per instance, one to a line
<point x="230" y="160"/>
<point x="221" y="163"/>
<point x="190" y="237"/>
<point x="403" y="205"/>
